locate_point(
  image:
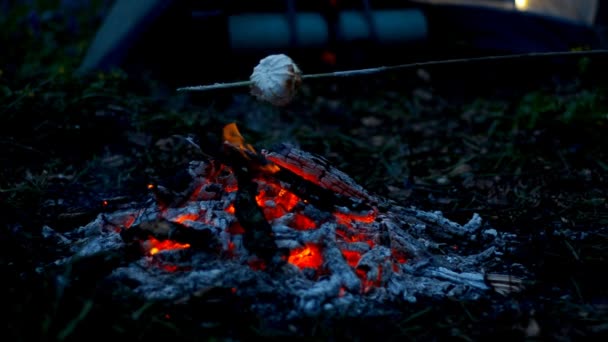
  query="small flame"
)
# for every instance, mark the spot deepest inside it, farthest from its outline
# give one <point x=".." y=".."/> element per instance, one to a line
<point x="367" y="284"/>
<point x="231" y="209"/>
<point x="308" y="256"/>
<point x="157" y="246"/>
<point x="232" y="136"/>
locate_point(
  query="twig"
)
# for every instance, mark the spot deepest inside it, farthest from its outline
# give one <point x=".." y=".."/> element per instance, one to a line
<point x="357" y="72"/>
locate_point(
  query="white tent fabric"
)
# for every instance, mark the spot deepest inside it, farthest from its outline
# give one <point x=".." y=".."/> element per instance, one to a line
<point x="580" y="11"/>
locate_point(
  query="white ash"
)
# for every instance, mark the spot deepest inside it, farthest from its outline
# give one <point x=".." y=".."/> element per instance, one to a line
<point x="432" y="269"/>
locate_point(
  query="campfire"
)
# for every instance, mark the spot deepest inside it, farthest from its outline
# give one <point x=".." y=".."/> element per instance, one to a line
<point x="286" y="228"/>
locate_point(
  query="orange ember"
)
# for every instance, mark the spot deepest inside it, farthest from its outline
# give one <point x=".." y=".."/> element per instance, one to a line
<point x="186" y="217"/>
<point x="351" y="257"/>
<point x="169" y="268"/>
<point x="196" y="192"/>
<point x="257" y="265"/>
<point x="295" y="169"/>
<point x="349" y="237"/>
<point x="302" y="222"/>
<point x="230" y="209"/>
<point x="369" y="283"/>
<point x="157" y="246"/>
<point x="287" y="199"/>
<point x="129" y="221"/>
<point x="399" y="256"/>
<point x="283" y="201"/>
<point x="347" y="219"/>
<point x="235" y="229"/>
<point x="308" y="256"/>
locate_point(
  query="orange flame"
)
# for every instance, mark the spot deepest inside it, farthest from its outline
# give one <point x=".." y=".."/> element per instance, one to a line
<point x="157" y="246"/>
<point x="232" y="136"/>
<point x="308" y="256"/>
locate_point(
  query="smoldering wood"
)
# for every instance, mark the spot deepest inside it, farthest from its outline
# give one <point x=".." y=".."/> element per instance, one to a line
<point x="258" y="237"/>
<point x="401" y="253"/>
<point x="199" y="237"/>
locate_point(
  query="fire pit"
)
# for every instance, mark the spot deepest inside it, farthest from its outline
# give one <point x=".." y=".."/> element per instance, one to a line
<point x="285" y="229"/>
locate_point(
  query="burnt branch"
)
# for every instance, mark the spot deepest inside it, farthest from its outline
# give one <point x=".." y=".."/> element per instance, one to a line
<point x="258" y="237"/>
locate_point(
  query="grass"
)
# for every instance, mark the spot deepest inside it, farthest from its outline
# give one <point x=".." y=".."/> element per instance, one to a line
<point x="531" y="159"/>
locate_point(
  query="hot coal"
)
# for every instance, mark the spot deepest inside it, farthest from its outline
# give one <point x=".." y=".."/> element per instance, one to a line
<point x="314" y="241"/>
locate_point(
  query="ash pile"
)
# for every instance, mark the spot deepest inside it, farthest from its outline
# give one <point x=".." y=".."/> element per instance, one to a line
<point x="294" y="236"/>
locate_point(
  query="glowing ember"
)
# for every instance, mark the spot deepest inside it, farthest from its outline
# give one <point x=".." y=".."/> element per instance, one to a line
<point x="257" y="265"/>
<point x="345" y="242"/>
<point x="275" y="201"/>
<point x="308" y="256"/>
<point x="351" y="257"/>
<point x="367" y="284"/>
<point x="235" y="229"/>
<point x="186" y="217"/>
<point x="287" y="199"/>
<point x="157" y="246"/>
<point x="399" y="256"/>
<point x="295" y="169"/>
<point x="302" y="222"/>
<point x="347" y="219"/>
<point x="351" y="237"/>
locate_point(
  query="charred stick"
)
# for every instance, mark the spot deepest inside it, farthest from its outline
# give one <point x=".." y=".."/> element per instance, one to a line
<point x="259" y="237"/>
